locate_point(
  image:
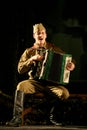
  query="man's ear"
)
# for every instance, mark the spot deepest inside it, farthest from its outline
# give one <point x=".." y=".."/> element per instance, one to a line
<point x="46" y="35"/>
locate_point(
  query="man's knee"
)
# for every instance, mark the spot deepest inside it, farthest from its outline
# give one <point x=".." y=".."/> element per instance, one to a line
<point x="65" y="94"/>
<point x="26" y="87"/>
<point x="61" y="92"/>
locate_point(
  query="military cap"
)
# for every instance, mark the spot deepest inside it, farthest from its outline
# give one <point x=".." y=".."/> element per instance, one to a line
<point x="38" y="27"/>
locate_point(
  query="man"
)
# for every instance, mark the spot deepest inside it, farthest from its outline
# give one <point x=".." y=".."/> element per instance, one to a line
<point x="28" y="63"/>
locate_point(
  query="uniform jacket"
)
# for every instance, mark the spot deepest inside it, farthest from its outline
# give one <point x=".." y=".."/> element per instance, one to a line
<point x="25" y="66"/>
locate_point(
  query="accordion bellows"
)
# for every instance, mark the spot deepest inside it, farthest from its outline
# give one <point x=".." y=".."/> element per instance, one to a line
<point x="54" y="67"/>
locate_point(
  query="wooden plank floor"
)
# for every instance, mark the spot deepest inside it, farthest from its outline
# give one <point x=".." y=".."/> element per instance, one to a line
<point x="44" y="128"/>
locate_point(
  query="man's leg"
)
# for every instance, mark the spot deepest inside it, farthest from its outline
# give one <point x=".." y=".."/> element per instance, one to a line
<point x="18" y="109"/>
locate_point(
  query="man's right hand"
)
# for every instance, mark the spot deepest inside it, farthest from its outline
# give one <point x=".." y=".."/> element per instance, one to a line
<point x="36" y="57"/>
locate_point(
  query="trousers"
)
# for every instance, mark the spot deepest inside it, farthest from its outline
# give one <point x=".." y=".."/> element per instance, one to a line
<point x="31" y="86"/>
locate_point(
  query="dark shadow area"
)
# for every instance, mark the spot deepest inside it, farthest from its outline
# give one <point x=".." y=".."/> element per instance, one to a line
<point x="83" y="58"/>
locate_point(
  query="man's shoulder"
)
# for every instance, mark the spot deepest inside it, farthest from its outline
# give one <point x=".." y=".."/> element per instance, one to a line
<point x="49" y="44"/>
<point x="54" y="48"/>
<point x="29" y="49"/>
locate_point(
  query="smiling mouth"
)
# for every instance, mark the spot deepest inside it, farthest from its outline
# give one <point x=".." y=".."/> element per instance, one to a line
<point x="40" y="39"/>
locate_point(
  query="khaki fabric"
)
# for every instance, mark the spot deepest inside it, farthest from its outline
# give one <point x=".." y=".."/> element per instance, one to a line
<point x="38" y="27"/>
<point x="33" y="86"/>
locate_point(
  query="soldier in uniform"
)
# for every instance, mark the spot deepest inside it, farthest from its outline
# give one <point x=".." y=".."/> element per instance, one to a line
<point x="28" y="64"/>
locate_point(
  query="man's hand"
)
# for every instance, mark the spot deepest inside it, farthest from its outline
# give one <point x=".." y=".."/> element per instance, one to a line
<point x="36" y="57"/>
<point x="70" y="66"/>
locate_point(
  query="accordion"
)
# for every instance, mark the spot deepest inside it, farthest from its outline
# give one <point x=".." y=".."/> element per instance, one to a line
<point x="54" y="67"/>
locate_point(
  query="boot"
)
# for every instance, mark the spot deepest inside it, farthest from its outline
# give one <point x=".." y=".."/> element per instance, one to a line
<point x="52" y="118"/>
<point x="53" y="113"/>
<point x="18" y="109"/>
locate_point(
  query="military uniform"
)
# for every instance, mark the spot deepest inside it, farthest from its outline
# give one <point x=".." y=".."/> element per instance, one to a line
<point x="33" y="85"/>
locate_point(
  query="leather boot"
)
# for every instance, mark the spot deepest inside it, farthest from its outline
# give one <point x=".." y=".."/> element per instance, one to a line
<point x="52" y="117"/>
<point x="18" y="109"/>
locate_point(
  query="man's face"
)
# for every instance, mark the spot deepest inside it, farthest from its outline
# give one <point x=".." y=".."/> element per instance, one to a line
<point x="40" y="37"/>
